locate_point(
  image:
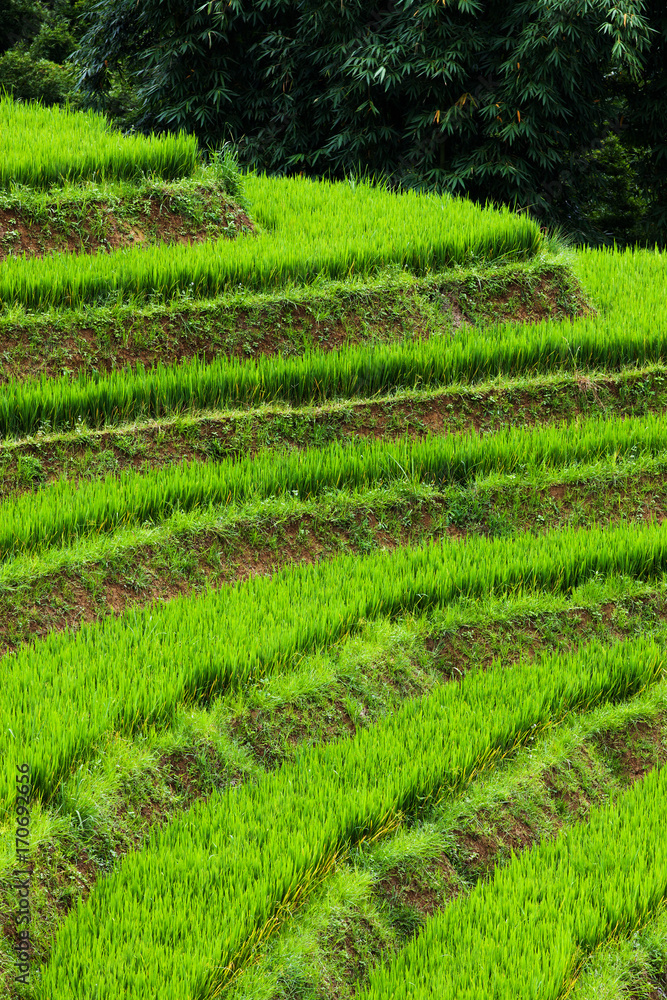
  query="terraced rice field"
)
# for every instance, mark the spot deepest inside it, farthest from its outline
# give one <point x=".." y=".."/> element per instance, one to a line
<point x="333" y="608"/>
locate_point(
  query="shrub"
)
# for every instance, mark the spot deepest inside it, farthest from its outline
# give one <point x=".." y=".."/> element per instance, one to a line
<point x="54" y="42"/>
<point x="27" y="79"/>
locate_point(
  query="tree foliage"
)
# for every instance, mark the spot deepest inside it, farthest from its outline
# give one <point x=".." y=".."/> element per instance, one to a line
<point x="48" y="29"/>
<point x="643" y="123"/>
<point x="496" y="100"/>
<point x="36" y="39"/>
<point x="29" y="79"/>
<point x="19" y="20"/>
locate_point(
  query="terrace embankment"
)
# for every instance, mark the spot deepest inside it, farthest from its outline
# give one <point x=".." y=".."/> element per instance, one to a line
<point x="322" y="416"/>
<point x="30" y="464"/>
<point x="386" y="310"/>
<point x="240" y="737"/>
<point x="347" y="938"/>
<point x="93" y="218"/>
<point x="92" y="580"/>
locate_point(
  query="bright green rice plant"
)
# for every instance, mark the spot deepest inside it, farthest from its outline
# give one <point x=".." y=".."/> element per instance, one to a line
<point x="178" y="918"/>
<point x="312" y="230"/>
<point x="66" y="509"/>
<point x="630" y="329"/>
<point x="42" y="147"/>
<point x="60" y="697"/>
<point x="525" y="933"/>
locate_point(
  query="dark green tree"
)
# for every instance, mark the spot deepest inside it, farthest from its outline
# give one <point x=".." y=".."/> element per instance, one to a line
<point x="20" y="20"/>
<point x="36" y="39"/>
<point x="643" y="123"/>
<point x="496" y="100"/>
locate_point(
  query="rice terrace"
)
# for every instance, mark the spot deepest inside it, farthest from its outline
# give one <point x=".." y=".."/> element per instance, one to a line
<point x="333" y="586"/>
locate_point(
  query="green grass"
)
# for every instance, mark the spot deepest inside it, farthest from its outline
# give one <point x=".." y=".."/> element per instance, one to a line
<point x="28" y="463"/>
<point x="391" y="306"/>
<point x="385" y="890"/>
<point x="596" y="881"/>
<point x="69" y="509"/>
<point x="313" y="230"/>
<point x="625" y="334"/>
<point x="43" y="147"/>
<point x="190" y="552"/>
<point x="98" y="811"/>
<point x="52" y="710"/>
<point x="275" y="841"/>
<point x="635" y="966"/>
<point x="288" y="797"/>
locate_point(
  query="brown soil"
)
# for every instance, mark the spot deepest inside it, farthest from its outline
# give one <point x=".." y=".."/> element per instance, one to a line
<point x="105" y="227"/>
<point x="475" y="853"/>
<point x="67" y="598"/>
<point x="208" y="331"/>
<point x="63" y="601"/>
<point x="477" y="646"/>
<point x="242" y="433"/>
<point x="646" y="749"/>
<point x="653" y="987"/>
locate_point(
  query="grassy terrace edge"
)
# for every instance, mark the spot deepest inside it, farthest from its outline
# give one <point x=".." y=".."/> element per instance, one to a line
<point x="90" y="579"/>
<point x="391" y="306"/>
<point x="115" y="694"/>
<point x="309" y="230"/>
<point x="384" y="894"/>
<point x="623" y="335"/>
<point x="323" y="817"/>
<point x="64" y="511"/>
<point x="575" y="893"/>
<point x="29" y="464"/>
<point x="356" y="668"/>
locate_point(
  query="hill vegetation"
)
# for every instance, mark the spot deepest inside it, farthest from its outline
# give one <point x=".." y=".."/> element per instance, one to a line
<point x="465" y="96"/>
<point x="332" y="587"/>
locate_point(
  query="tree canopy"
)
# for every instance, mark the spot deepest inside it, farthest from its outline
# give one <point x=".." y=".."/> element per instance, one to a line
<point x="500" y="101"/>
